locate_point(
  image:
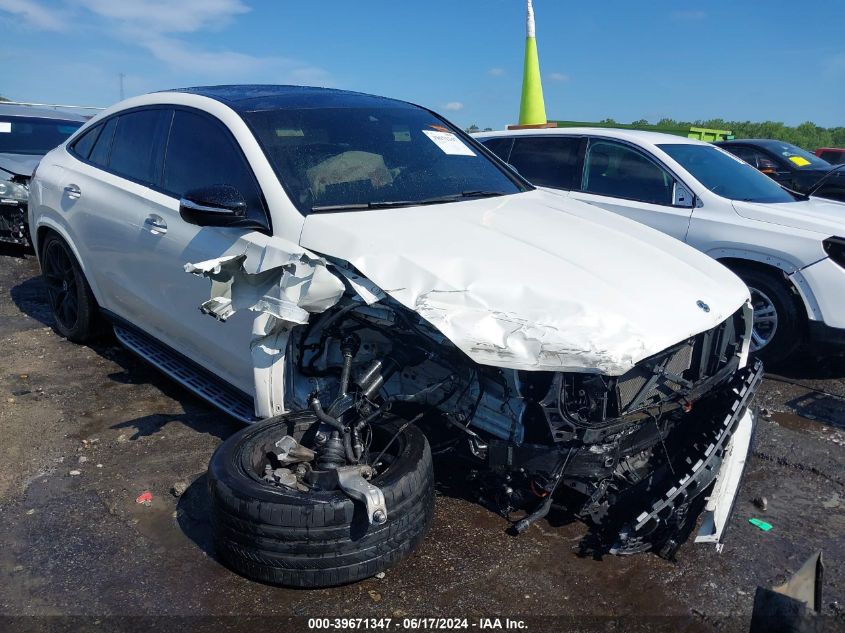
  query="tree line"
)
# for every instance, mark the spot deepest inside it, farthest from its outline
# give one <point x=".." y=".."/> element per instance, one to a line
<point x="807" y="135"/>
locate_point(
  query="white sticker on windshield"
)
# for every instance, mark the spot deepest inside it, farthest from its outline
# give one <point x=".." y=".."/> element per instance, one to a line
<point x="5" y="127"/>
<point x="449" y="143"/>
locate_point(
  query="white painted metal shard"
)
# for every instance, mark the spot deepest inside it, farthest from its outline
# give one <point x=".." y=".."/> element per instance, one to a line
<point x="721" y="501"/>
<point x="289" y="292"/>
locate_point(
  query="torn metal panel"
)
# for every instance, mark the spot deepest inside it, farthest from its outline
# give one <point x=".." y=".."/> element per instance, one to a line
<point x="267" y="348"/>
<point x="284" y="296"/>
<point x="288" y="292"/>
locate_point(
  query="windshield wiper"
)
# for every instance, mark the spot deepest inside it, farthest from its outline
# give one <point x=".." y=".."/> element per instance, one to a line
<point x="391" y="204"/>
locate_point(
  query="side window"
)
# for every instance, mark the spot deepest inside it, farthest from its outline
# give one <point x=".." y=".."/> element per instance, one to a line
<point x="137" y="149"/>
<point x="547" y="161"/>
<point x="501" y="147"/>
<point x="745" y="153"/>
<point x="620" y="171"/>
<point x="201" y="152"/>
<point x="102" y="146"/>
<point x="82" y="146"/>
<point x="760" y="160"/>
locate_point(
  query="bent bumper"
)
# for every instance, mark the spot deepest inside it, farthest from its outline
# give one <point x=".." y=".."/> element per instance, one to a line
<point x="719" y="468"/>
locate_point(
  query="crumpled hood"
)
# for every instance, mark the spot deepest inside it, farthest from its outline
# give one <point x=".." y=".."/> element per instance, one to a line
<point x="535" y="281"/>
<point x="815" y="214"/>
<point x="20" y="164"/>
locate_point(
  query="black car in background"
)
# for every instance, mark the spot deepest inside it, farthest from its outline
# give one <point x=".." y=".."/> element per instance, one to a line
<point x="787" y="164"/>
<point x="26" y="134"/>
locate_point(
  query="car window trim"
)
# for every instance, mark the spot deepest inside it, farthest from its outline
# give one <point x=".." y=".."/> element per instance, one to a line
<point x="649" y="156"/>
<point x="103" y="124"/>
<point x="231" y="137"/>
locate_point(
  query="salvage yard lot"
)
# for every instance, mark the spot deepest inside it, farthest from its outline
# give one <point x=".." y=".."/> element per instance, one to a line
<point x="85" y="430"/>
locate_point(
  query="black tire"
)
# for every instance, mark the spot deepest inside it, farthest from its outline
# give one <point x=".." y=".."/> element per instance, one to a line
<point x="315" y="539"/>
<point x="74" y="308"/>
<point x="789" y="333"/>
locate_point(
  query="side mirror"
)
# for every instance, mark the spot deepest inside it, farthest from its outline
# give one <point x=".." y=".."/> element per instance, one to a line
<point x="217" y="205"/>
<point x="682" y="197"/>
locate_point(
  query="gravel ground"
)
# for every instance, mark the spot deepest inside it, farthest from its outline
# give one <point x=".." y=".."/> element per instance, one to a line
<point x="87" y="429"/>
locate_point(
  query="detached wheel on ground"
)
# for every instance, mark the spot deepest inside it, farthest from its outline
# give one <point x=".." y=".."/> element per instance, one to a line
<point x="317" y="538"/>
<point x="72" y="303"/>
<point x="778" y="322"/>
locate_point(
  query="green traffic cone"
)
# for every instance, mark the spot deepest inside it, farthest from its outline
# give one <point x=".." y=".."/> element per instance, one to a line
<point x="532" y="109"/>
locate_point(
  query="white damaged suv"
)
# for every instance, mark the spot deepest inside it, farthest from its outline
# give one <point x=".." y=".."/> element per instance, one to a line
<point x="378" y="280"/>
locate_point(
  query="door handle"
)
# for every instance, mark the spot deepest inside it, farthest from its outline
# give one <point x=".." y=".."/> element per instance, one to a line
<point x="155" y="224"/>
<point x="73" y="192"/>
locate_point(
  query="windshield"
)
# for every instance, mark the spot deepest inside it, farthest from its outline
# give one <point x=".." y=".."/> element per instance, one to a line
<point x="797" y="156"/>
<point x="726" y="175"/>
<point x="25" y="135"/>
<point x="333" y="159"/>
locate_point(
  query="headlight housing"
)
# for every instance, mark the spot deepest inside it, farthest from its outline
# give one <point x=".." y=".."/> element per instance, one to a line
<point x="835" y="248"/>
<point x="12" y="190"/>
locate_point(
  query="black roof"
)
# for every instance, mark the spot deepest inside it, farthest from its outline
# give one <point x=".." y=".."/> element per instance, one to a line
<point x="252" y="98"/>
<point x="764" y="142"/>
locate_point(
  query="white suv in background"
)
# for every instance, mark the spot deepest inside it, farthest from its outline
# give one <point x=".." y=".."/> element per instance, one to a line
<point x="789" y="249"/>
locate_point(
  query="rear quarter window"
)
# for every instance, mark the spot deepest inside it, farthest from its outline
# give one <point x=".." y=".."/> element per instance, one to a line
<point x="84" y="144"/>
<point x="102" y="146"/>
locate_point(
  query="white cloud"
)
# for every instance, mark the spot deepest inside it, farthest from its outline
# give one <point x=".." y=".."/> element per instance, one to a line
<point x="558" y="77"/>
<point x="155" y="25"/>
<point x="690" y="15"/>
<point x="496" y="72"/>
<point x="174" y="16"/>
<point x="233" y="65"/>
<point x="453" y="106"/>
<point x="34" y="14"/>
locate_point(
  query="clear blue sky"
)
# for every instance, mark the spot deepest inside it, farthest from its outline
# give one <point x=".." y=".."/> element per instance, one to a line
<point x="625" y="59"/>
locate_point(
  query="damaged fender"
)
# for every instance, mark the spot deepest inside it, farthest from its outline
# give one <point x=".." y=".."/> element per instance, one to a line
<point x="284" y="296"/>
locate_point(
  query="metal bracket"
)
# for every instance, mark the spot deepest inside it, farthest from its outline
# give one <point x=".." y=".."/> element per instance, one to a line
<point x="292" y="452"/>
<point x="350" y="479"/>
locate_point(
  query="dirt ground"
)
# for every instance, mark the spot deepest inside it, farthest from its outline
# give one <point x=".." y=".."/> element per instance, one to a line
<point x="85" y="430"/>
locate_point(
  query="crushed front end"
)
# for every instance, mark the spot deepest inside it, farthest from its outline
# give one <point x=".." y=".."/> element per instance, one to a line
<point x="639" y="455"/>
<point x="633" y="455"/>
<point x="14" y="192"/>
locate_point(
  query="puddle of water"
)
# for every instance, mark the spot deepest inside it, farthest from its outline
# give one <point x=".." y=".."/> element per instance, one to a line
<point x="795" y="422"/>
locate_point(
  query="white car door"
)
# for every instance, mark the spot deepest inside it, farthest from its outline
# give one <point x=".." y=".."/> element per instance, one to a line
<point x="624" y="179"/>
<point x="106" y="188"/>
<point x="200" y="152"/>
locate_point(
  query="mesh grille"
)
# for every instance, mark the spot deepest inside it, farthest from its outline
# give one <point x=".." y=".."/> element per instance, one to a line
<point x="631" y="384"/>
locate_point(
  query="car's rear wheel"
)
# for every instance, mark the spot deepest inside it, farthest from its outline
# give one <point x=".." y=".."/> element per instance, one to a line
<point x="316" y="538"/>
<point x="777" y="326"/>
<point x="72" y="303"/>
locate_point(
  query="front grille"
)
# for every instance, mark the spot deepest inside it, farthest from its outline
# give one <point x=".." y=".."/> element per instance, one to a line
<point x="678" y="369"/>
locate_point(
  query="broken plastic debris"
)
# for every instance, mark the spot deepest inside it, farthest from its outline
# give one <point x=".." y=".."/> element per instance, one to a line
<point x="760" y="524"/>
<point x="145" y="497"/>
